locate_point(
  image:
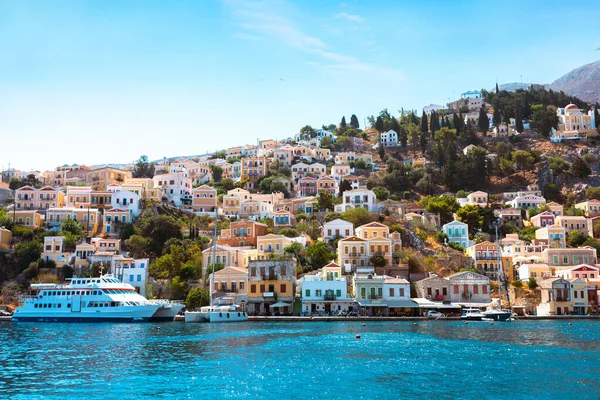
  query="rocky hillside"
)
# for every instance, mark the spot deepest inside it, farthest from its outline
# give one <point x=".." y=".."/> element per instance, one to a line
<point x="582" y="82"/>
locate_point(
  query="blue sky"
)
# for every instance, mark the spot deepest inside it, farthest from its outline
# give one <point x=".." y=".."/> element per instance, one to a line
<point x="106" y="81"/>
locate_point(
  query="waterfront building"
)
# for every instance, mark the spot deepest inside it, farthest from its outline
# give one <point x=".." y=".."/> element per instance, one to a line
<point x="469" y="288"/>
<point x="486" y="258"/>
<point x="272" y="286"/>
<point x="556" y="297"/>
<point x="230" y="283"/>
<point x="433" y="288"/>
<point x="326" y="292"/>
<point x="53" y="250"/>
<point x="131" y="271"/>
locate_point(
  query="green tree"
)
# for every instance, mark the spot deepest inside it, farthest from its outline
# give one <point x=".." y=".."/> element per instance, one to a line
<point x="424" y="124"/>
<point x="469" y="214"/>
<point x="505" y="167"/>
<point x="143" y="168"/>
<point x="378" y="261"/>
<point x="27" y="252"/>
<point x="217" y="172"/>
<point x="72" y="226"/>
<point x="197" y="298"/>
<point x="576" y="238"/>
<point x="518" y="118"/>
<point x="544" y="119"/>
<point x="414" y="135"/>
<point x="381" y="193"/>
<point x="169" y="265"/>
<point x="497" y="117"/>
<point x="580" y="169"/>
<point x="331" y="216"/>
<point x="228" y="184"/>
<point x="381" y="151"/>
<point x="593" y="193"/>
<point x="307" y="132"/>
<point x="319" y="254"/>
<point x="532" y="283"/>
<point x="523" y="160"/>
<point x="558" y="165"/>
<point x="325" y="201"/>
<point x="379" y="125"/>
<point x="343" y="124"/>
<point x="158" y="229"/>
<point x="288" y="232"/>
<point x="358" y="216"/>
<point x="484" y="122"/>
<point x="137" y="246"/>
<point x="344" y="186"/>
<point x="445" y="206"/>
<point x="354" y="122"/>
<point x="178" y="289"/>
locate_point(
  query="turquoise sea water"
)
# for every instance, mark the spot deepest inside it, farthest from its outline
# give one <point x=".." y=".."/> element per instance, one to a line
<point x="432" y="360"/>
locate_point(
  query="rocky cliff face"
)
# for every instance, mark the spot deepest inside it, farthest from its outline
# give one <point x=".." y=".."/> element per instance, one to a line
<point x="582" y="82"/>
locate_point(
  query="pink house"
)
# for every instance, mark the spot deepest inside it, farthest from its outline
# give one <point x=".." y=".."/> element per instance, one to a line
<point x="543" y="219"/>
<point x="307" y="186"/>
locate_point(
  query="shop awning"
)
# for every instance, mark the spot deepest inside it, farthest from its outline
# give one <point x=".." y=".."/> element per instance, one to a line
<point x="371" y="303"/>
<point x="401" y="304"/>
<point x="280" y="304"/>
<point x="426" y="303"/>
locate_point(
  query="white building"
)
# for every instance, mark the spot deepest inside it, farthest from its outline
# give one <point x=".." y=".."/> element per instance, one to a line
<point x="338" y="228"/>
<point x="325" y="292"/>
<point x="358" y="198"/>
<point x="389" y="138"/>
<point x="127" y="200"/>
<point x="528" y="201"/>
<point x="175" y="185"/>
<point x="131" y="271"/>
<point x="396" y="293"/>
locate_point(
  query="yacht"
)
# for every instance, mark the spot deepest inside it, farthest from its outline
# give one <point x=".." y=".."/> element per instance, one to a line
<point x="102" y="299"/>
<point x="472" y="314"/>
<point x="497" y="315"/>
<point x="221" y="313"/>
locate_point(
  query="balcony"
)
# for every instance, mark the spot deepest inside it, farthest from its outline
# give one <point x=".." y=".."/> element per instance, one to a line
<point x="486" y="258"/>
<point x="329" y="296"/>
<point x="374" y="297"/>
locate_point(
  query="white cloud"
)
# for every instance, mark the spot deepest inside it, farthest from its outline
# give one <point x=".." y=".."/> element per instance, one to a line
<point x="349" y="17"/>
<point x="267" y="19"/>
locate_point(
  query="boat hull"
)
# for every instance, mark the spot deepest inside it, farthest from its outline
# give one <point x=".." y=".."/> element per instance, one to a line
<point x="229" y="316"/>
<point x="113" y="314"/>
<point x="195" y="316"/>
<point x="498" y="316"/>
<point x="167" y="312"/>
<point x="79" y="319"/>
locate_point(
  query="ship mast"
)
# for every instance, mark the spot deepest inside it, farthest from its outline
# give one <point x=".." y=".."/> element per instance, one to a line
<point x="212" y="275"/>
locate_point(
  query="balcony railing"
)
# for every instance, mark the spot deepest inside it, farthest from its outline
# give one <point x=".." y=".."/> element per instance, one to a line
<point x="329" y="297"/>
<point x="374" y="297"/>
<point x="488" y="258"/>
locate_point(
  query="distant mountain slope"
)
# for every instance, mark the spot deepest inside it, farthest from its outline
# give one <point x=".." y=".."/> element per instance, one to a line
<point x="582" y="82"/>
<point x="513" y="86"/>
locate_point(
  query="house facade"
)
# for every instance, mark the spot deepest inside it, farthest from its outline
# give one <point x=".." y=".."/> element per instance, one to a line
<point x="271" y="283"/>
<point x="458" y="232"/>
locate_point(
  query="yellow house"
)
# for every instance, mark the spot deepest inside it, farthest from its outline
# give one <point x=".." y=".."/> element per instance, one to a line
<point x="5" y="238"/>
<point x="591" y="207"/>
<point x="83" y="255"/>
<point x="149" y="191"/>
<point x="228" y="256"/>
<point x="555" y="208"/>
<point x="373" y="230"/>
<point x="574" y="223"/>
<point x="29" y="219"/>
<point x="30" y="198"/>
<point x="555" y="235"/>
<point x="53" y="251"/>
<point x="88" y="218"/>
<point x="204" y="199"/>
<point x="107" y="245"/>
<point x="486" y="258"/>
<point x="271" y="283"/>
<point x="272" y="244"/>
<point x="114" y="219"/>
<point x="101" y="178"/>
<point x="230" y="281"/>
<point x="234" y="152"/>
<point x="353" y="252"/>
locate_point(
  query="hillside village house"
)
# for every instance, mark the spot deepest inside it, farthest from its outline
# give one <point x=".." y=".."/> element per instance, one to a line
<point x="204" y="199"/>
<point x="358" y="198"/>
<point x="88" y="218"/>
<point x="326" y="292"/>
<point x="29" y="219"/>
<point x="285" y="155"/>
<point x="583" y="271"/>
<point x="521" y="193"/>
<point x="242" y="233"/>
<point x="176" y="184"/>
<point x="389" y="138"/>
<point x="307" y="186"/>
<point x="511" y="215"/>
<point x="566" y="258"/>
<point x="100" y="178"/>
<point x="30" y="198"/>
<point x="53" y="251"/>
<point x="478" y="198"/>
<point x="327" y="184"/>
<point x="283" y="219"/>
<point x="78" y="196"/>
<point x="256" y="209"/>
<point x="555" y="235"/>
<point x="302" y="170"/>
<point x="339" y="171"/>
<point x="433" y="288"/>
<point x="230" y="282"/>
<point x="126" y="200"/>
<point x="543" y="219"/>
<point x="83" y="256"/>
<point x="555" y="208"/>
<point x="591" y="207"/>
<point x="337" y="228"/>
<point x="272" y="286"/>
<point x="148" y="190"/>
<point x="458" y="232"/>
<point x="234" y="152"/>
<point x="574" y="223"/>
<point x="254" y="168"/>
<point x="115" y="218"/>
<point x="486" y="258"/>
<point x="526" y="202"/>
<point x="101" y="200"/>
<point x="272" y="244"/>
<point x="227" y="256"/>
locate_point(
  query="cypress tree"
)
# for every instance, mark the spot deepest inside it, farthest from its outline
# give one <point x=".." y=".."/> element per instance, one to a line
<point x="518" y="119"/>
<point x="484" y="122"/>
<point x="343" y="124"/>
<point x="424" y="125"/>
<point x="497" y="88"/>
<point x="354" y="122"/>
<point x="497" y="118"/>
<point x="379" y="124"/>
<point x="457" y="122"/>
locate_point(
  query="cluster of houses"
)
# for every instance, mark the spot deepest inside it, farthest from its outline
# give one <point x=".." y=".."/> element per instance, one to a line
<point x="364" y="277"/>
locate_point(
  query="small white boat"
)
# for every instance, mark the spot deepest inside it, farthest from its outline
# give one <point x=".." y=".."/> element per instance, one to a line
<point x="497" y="315"/>
<point x="472" y="314"/>
<point x="222" y="313"/>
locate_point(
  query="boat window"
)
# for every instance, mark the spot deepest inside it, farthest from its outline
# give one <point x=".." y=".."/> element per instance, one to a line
<point x="59" y="305"/>
<point x="35" y="306"/>
<point x="64" y="293"/>
<point x="68" y="305"/>
<point x="44" y="305"/>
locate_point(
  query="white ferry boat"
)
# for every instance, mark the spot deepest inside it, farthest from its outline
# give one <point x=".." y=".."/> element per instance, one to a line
<point x="168" y="309"/>
<point x="103" y="299"/>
